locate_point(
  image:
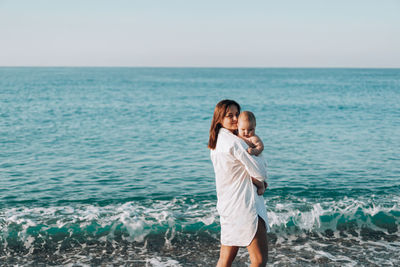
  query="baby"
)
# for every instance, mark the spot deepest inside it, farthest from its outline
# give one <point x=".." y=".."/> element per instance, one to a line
<point x="246" y="131"/>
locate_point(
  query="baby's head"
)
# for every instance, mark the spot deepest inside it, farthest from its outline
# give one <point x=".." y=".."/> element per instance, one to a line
<point x="246" y="124"/>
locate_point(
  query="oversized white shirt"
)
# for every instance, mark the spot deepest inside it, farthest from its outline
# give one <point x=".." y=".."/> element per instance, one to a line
<point x="238" y="203"/>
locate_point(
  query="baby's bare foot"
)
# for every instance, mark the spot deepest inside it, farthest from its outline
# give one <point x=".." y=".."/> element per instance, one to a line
<point x="260" y="191"/>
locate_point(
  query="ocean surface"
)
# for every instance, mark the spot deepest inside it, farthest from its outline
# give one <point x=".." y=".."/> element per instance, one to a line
<point x="103" y="166"/>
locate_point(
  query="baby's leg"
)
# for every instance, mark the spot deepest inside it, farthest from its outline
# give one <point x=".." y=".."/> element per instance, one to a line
<point x="260" y="186"/>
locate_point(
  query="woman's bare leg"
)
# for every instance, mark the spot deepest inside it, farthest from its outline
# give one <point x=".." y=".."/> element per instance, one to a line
<point x="227" y="255"/>
<point x="258" y="248"/>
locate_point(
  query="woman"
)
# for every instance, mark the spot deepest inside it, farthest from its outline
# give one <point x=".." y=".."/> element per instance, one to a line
<point x="242" y="212"/>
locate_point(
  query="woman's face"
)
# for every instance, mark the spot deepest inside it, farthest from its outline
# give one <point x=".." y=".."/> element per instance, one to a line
<point x="231" y="118"/>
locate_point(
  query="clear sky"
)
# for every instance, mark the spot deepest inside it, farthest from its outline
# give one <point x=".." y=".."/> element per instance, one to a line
<point x="202" y="33"/>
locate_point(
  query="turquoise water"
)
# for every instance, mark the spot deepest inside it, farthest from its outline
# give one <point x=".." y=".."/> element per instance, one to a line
<point x="110" y="165"/>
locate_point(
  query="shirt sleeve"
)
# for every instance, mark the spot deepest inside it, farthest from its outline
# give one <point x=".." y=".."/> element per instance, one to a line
<point x="254" y="166"/>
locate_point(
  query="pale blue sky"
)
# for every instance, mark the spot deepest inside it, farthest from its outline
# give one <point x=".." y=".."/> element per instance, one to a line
<point x="308" y="33"/>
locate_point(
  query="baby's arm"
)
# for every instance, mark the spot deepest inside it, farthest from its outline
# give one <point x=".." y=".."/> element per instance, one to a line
<point x="248" y="142"/>
<point x="258" y="146"/>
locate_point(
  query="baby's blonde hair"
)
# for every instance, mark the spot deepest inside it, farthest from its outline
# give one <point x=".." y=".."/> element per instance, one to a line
<point x="248" y="115"/>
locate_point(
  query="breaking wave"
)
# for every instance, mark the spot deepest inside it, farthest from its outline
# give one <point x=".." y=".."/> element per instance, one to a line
<point x="162" y="227"/>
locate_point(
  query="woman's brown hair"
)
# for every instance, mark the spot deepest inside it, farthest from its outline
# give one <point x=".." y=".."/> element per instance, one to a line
<point x="219" y="114"/>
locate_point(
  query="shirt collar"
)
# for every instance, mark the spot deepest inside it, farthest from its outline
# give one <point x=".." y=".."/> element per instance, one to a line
<point x="225" y="130"/>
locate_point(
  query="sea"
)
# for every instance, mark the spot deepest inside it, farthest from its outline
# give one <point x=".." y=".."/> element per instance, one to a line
<point x="109" y="166"/>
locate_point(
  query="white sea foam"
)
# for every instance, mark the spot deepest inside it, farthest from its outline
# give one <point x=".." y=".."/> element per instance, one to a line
<point x="159" y="262"/>
<point x="78" y="263"/>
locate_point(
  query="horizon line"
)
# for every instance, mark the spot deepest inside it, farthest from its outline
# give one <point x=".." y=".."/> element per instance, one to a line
<point x="191" y="67"/>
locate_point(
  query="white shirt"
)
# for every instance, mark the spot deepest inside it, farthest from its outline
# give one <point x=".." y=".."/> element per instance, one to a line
<point x="238" y="203"/>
